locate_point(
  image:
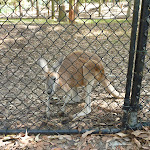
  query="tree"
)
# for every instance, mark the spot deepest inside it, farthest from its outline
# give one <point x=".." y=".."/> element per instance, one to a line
<point x="62" y="11"/>
<point x="37" y="8"/>
<point x="71" y="11"/>
<point x="53" y="9"/>
<point x="10" y="2"/>
<point x="47" y="3"/>
<point x="100" y="4"/>
<point x="76" y="7"/>
<point x="20" y="8"/>
<point x="13" y="2"/>
<point x="32" y="4"/>
<point x="129" y="8"/>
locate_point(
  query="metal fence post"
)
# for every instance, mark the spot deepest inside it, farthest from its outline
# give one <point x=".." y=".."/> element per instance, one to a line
<point x="130" y="62"/>
<point x="139" y="63"/>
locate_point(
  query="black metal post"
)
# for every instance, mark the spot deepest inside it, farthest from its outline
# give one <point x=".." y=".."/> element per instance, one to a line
<point x="131" y="62"/>
<point x="139" y="63"/>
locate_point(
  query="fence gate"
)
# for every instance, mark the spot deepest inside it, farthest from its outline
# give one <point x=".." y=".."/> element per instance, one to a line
<point x="52" y="29"/>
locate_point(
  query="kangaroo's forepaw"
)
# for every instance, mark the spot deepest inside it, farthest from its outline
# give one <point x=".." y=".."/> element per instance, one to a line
<point x="81" y="114"/>
<point x="48" y="115"/>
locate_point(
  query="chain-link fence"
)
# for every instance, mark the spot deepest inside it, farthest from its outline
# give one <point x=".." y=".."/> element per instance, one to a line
<point x="31" y="30"/>
<point x="138" y="110"/>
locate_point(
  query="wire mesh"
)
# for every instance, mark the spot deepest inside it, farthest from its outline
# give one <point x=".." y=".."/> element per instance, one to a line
<point x="29" y="33"/>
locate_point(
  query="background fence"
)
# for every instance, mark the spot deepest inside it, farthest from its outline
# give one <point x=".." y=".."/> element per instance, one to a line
<point x="30" y="31"/>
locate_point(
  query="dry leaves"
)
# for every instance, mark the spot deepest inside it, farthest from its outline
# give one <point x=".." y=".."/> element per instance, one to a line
<point x="139" y="139"/>
<point x="14" y="141"/>
<point x="84" y="135"/>
<point x="142" y="138"/>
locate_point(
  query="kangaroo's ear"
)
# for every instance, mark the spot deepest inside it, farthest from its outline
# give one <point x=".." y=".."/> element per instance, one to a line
<point x="57" y="64"/>
<point x="42" y="62"/>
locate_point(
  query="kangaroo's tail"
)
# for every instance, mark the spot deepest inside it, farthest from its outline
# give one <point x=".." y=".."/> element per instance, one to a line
<point x="110" y="89"/>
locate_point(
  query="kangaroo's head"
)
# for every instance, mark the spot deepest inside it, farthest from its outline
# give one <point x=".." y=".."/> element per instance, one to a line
<point x="52" y="76"/>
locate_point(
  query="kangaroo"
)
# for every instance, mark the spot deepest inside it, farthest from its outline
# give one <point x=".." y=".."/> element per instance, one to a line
<point x="79" y="68"/>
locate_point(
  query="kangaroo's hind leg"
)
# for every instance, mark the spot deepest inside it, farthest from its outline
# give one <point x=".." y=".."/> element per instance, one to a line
<point x="87" y="107"/>
<point x="75" y="96"/>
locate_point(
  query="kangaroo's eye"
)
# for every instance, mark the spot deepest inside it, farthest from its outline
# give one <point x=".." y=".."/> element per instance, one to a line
<point x="53" y="78"/>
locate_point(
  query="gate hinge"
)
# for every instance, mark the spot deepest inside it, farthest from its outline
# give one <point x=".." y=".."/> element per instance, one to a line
<point x="133" y="108"/>
<point x="136" y="107"/>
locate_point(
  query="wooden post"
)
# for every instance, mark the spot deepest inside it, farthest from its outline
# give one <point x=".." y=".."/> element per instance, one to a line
<point x="71" y="11"/>
<point x="53" y="9"/>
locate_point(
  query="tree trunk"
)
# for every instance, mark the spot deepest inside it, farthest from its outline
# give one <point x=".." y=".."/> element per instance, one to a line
<point x="37" y="8"/>
<point x="114" y="1"/>
<point x="62" y="13"/>
<point x="32" y="4"/>
<point x="48" y="6"/>
<point x="15" y="7"/>
<point x="53" y="9"/>
<point x="100" y="10"/>
<point x="85" y="6"/>
<point x="76" y="8"/>
<point x="20" y="9"/>
<point x="129" y="8"/>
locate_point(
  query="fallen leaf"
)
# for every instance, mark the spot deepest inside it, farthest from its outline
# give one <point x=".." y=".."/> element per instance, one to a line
<point x="116" y="143"/>
<point x="121" y="134"/>
<point x="127" y="139"/>
<point x="145" y="147"/>
<point x="9" y="146"/>
<point x="102" y="124"/>
<point x="146" y="128"/>
<point x="56" y="148"/>
<point x="84" y="135"/>
<point x="4" y="143"/>
<point x="144" y="135"/>
<point x="88" y="147"/>
<point x="37" y="139"/>
<point x="53" y="137"/>
<point x="40" y="145"/>
<point x="25" y="140"/>
<point x="120" y="148"/>
<point x="10" y="139"/>
<point x="137" y="143"/>
<point x="68" y="137"/>
<point x="106" y="139"/>
<point x="137" y="133"/>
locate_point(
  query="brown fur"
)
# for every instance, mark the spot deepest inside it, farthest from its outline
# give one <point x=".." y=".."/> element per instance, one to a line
<point x="71" y="70"/>
<point x="76" y="70"/>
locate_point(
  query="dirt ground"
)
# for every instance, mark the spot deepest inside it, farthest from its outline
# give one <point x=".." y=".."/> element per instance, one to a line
<point x="22" y="84"/>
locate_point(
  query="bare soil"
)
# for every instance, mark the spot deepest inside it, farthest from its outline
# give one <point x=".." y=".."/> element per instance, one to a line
<point x="22" y="86"/>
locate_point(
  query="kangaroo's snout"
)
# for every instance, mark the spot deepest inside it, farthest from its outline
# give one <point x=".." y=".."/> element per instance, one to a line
<point x="49" y="92"/>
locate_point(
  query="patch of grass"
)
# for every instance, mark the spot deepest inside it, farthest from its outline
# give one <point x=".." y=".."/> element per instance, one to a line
<point x="26" y="21"/>
<point x="51" y="21"/>
<point x="91" y="21"/>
